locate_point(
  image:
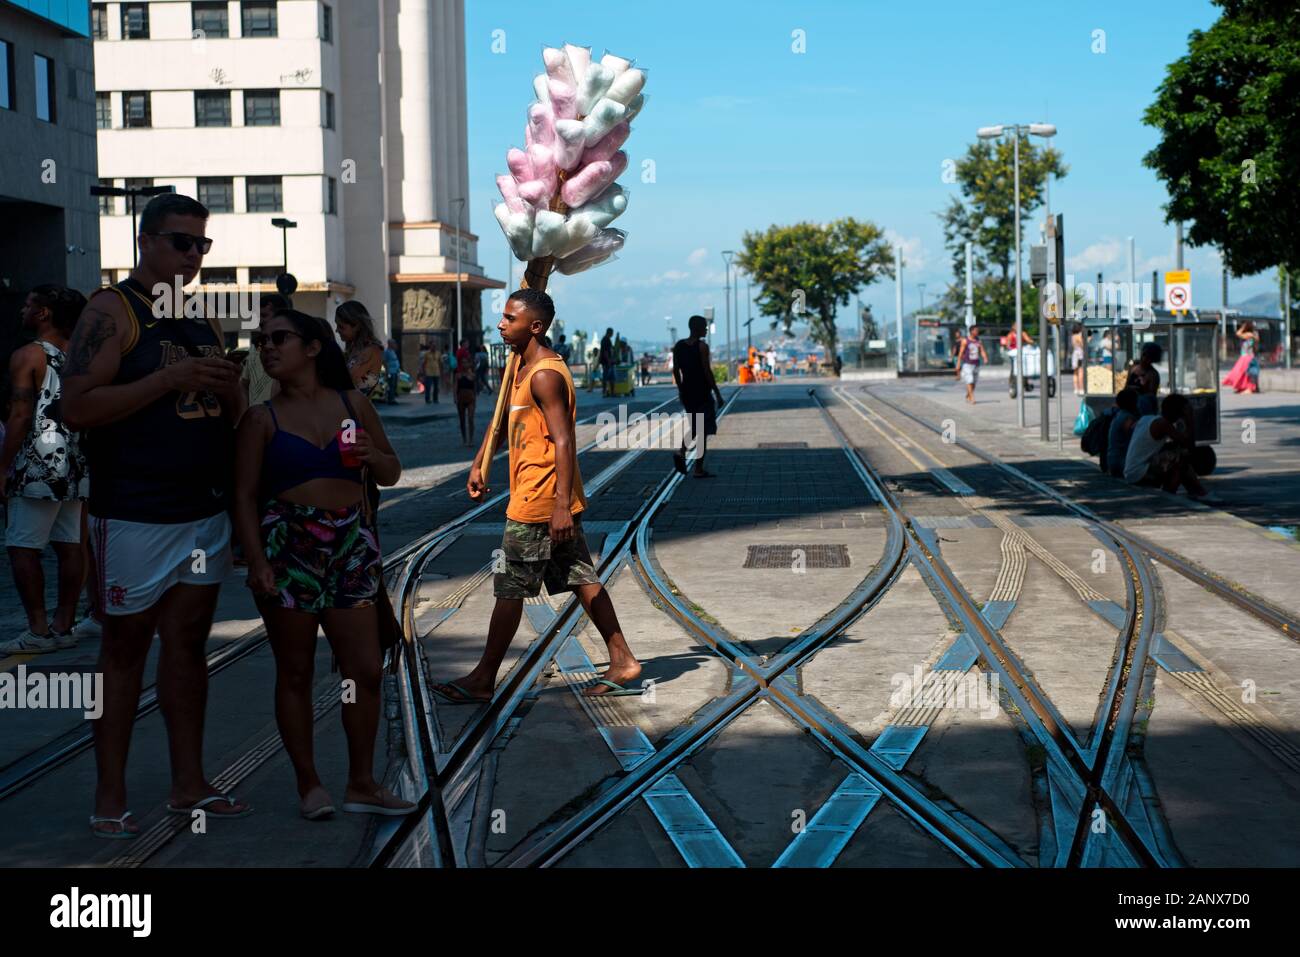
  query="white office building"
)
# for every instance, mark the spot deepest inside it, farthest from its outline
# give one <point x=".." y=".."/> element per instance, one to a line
<point x="347" y="118"/>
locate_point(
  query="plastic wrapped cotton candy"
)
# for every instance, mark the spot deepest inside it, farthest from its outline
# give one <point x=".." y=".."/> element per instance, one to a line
<point x="604" y="209"/>
<point x="541" y="89"/>
<point x="579" y="60"/>
<point x="599" y="250"/>
<point x="518" y="227"/>
<point x="615" y="64"/>
<point x="605" y="115"/>
<point x="634" y="107"/>
<point x="577" y="234"/>
<point x="541" y="188"/>
<point x="563" y="98"/>
<point x="541" y="124"/>
<point x="548" y="233"/>
<point x="626" y="87"/>
<point x="593" y="86"/>
<point x="608" y="145"/>
<point x="570" y="143"/>
<point x="557" y="66"/>
<point x="590" y="180"/>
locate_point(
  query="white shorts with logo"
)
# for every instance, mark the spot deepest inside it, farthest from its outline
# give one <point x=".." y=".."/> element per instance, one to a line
<point x="35" y="522"/>
<point x="137" y="561"/>
<point x="970" y="374"/>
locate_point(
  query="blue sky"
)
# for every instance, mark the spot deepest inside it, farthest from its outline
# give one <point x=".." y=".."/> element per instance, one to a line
<point x="743" y="132"/>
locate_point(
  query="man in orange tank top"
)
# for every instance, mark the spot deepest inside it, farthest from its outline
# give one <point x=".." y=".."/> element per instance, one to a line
<point x="543" y="539"/>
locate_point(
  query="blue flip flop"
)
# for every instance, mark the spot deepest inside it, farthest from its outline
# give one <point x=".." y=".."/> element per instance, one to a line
<point x="616" y="690"/>
<point x="466" y="697"/>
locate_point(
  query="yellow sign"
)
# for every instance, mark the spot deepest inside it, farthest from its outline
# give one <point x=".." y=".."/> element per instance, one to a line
<point x="1178" y="290"/>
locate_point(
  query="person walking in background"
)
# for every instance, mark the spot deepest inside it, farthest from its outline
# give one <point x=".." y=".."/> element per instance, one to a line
<point x="562" y="349"/>
<point x="314" y="559"/>
<point x="607" y="362"/>
<point x="543" y="541"/>
<point x="393" y="369"/>
<point x="161" y="401"/>
<point x="970" y="356"/>
<point x="1244" y="376"/>
<point x="258" y="386"/>
<point x="466" y="400"/>
<point x="1077" y="357"/>
<point x="481" y="368"/>
<point x="430" y="372"/>
<point x="361" y="348"/>
<point x="464" y="360"/>
<point x="43" y="473"/>
<point x="696" y="388"/>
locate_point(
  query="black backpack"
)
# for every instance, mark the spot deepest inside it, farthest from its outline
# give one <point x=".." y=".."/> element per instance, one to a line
<point x="1097" y="436"/>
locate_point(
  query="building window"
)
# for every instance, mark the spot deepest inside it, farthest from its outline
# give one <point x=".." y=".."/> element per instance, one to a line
<point x="213" y="19"/>
<point x="99" y="21"/>
<point x="262" y="108"/>
<point x="327" y="23"/>
<point x="224" y="276"/>
<point x="329" y="110"/>
<point x="107" y="206"/>
<point x="211" y="107"/>
<point x="259" y="18"/>
<point x="135" y="21"/>
<point x="265" y="194"/>
<point x="263" y="274"/>
<point x="217" y="193"/>
<point x="331" y="196"/>
<point x="103" y="111"/>
<point x="6" y="75"/>
<point x="44" y="88"/>
<point x="135" y="110"/>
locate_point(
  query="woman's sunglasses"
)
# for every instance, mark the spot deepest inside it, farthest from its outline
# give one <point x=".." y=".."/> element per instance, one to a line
<point x="277" y="338"/>
<point x="183" y="242"/>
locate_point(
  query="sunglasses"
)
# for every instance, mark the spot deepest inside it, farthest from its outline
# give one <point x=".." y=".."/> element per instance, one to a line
<point x="183" y="242"/>
<point x="277" y="338"/>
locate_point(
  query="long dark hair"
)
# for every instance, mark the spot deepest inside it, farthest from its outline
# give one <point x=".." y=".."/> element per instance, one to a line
<point x="331" y="367"/>
<point x="355" y="314"/>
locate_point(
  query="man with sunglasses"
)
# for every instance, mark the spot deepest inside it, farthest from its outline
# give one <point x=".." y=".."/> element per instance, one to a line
<point x="151" y="386"/>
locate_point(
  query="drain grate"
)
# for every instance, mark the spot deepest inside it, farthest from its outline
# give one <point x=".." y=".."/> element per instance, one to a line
<point x="786" y="556"/>
<point x="783" y="445"/>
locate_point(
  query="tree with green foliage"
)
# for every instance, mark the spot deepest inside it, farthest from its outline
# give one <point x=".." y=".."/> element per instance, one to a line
<point x="805" y="272"/>
<point x="985" y="215"/>
<point x="1229" y="119"/>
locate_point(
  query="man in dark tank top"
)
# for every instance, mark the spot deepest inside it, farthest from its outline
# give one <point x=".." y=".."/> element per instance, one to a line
<point x="147" y="380"/>
<point x="696" y="387"/>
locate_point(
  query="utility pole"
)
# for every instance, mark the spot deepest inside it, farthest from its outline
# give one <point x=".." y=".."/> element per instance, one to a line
<point x="898" y="302"/>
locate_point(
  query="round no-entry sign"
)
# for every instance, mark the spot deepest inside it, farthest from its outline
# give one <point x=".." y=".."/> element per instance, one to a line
<point x="1178" y="290"/>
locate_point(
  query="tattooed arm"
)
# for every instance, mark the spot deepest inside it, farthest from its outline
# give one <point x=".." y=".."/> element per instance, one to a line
<point x="90" y="397"/>
<point x="26" y="372"/>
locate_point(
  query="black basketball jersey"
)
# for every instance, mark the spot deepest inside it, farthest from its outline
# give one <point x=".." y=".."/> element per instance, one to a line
<point x="170" y="461"/>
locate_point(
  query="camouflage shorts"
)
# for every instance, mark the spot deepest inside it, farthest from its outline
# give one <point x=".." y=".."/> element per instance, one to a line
<point x="531" y="558"/>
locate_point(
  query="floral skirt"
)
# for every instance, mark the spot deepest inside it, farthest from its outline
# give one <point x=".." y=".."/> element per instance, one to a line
<point x="322" y="558"/>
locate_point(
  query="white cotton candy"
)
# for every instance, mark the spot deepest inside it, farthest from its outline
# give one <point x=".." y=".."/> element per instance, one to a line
<point x="518" y="227"/>
<point x="604" y="209"/>
<point x="557" y="65"/>
<point x="548" y="233"/>
<point x="615" y="64"/>
<point x="579" y="60"/>
<point x="593" y="87"/>
<point x="577" y="233"/>
<point x="604" y="116"/>
<point x="540" y="88"/>
<point x="626" y="87"/>
<point x="635" y="107"/>
<point x="570" y="142"/>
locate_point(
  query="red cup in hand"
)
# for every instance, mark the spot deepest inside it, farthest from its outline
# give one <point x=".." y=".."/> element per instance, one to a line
<point x="347" y="450"/>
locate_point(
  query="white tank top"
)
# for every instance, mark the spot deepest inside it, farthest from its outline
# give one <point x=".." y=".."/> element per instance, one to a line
<point x="1142" y="449"/>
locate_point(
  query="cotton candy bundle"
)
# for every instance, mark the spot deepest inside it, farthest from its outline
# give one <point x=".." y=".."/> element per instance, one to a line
<point x="560" y="194"/>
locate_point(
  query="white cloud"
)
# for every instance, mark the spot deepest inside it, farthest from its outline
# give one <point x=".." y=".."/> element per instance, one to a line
<point x="697" y="256"/>
<point x="915" y="256"/>
<point x="1103" y="253"/>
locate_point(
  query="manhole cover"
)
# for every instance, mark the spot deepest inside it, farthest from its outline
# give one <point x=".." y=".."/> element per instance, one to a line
<point x="790" y="556"/>
<point x="783" y="445"/>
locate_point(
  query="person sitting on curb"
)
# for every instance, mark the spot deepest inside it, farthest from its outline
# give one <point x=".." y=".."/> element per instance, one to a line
<point x="1160" y="451"/>
<point x="1120" y="431"/>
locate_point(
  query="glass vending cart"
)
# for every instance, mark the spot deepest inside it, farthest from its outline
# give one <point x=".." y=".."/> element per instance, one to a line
<point x="1190" y="364"/>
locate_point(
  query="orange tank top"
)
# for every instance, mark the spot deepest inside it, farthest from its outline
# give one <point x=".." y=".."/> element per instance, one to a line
<point x="532" y="451"/>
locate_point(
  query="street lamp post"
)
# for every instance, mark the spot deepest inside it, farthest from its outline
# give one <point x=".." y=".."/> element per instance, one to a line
<point x="460" y="210"/>
<point x="131" y="193"/>
<point x="992" y="132"/>
<point x="284" y="225"/>
<point x="727" y="255"/>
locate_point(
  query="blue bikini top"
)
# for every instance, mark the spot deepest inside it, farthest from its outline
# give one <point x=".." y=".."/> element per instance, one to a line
<point x="291" y="460"/>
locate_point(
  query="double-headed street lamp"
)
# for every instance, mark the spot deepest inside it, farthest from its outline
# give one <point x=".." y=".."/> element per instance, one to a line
<point x="1017" y="130"/>
<point x="131" y="192"/>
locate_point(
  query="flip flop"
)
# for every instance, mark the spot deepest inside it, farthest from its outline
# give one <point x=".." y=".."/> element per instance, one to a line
<point x="365" y="807"/>
<point x="122" y="835"/>
<point x="616" y="690"/>
<point x="465" y="696"/>
<point x="318" y="810"/>
<point x="207" y="802"/>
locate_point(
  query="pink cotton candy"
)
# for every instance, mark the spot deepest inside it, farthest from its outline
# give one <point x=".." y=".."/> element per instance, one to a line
<point x="537" y="192"/>
<point x="521" y="167"/>
<point x="592" y="179"/>
<point x="541" y="124"/>
<point x="509" y="188"/>
<point x="608" y="145"/>
<point x="557" y="65"/>
<point x="564" y="100"/>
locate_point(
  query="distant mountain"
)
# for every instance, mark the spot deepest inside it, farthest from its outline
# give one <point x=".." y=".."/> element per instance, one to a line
<point x="1264" y="304"/>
